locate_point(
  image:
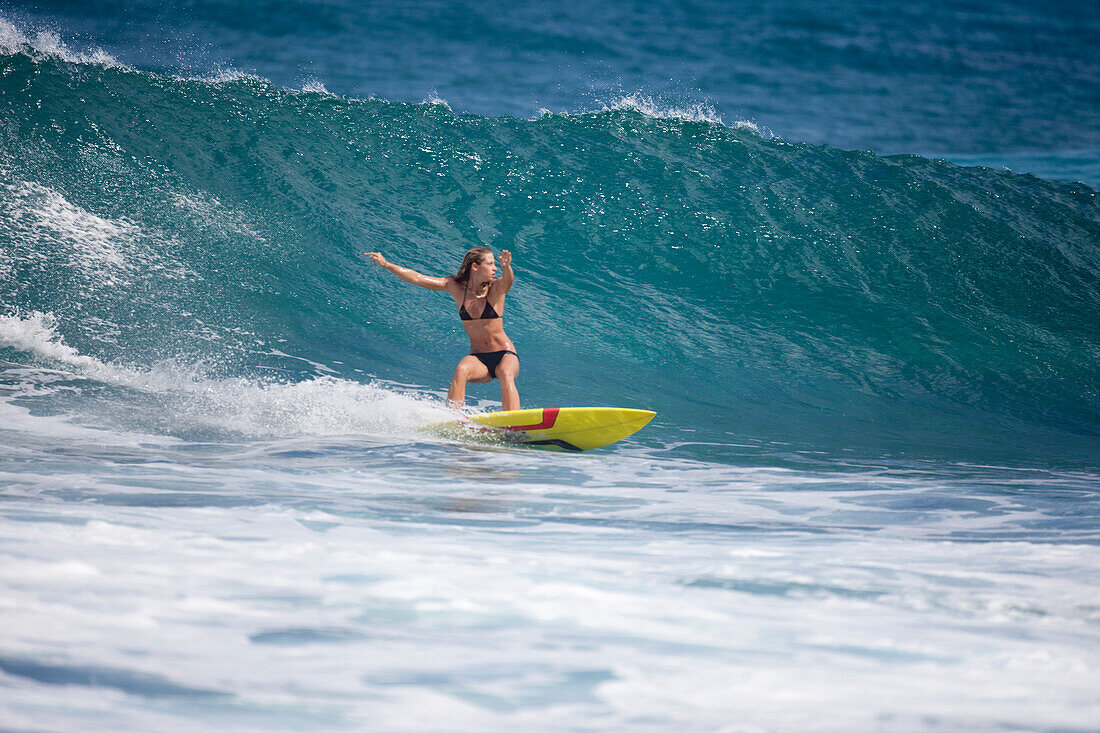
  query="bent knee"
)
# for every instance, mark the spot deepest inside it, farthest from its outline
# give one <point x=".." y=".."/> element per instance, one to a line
<point x="471" y="372"/>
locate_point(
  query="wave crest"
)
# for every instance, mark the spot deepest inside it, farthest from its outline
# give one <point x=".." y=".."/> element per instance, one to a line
<point x="48" y="44"/>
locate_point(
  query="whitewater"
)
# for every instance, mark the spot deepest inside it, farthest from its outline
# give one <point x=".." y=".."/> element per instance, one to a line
<point x="869" y="499"/>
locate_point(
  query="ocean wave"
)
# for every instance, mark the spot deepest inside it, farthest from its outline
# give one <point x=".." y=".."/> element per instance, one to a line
<point x="787" y="287"/>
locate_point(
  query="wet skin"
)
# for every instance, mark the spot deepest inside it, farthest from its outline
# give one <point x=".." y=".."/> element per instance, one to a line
<point x="486" y="335"/>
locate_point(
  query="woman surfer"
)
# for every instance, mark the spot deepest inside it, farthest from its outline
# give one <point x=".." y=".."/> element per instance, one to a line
<point x="480" y="301"/>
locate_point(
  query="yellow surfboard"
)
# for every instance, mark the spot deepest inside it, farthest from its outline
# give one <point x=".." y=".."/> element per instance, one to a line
<point x="562" y="428"/>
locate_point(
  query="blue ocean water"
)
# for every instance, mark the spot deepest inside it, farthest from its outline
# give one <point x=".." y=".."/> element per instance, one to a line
<point x="850" y="253"/>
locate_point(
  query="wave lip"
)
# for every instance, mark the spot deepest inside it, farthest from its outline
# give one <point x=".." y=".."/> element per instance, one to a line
<point x="46" y="43"/>
<point x="698" y="112"/>
<point x="650" y="107"/>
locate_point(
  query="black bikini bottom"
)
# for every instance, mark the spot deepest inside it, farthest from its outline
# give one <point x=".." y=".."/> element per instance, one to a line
<point x="491" y="359"/>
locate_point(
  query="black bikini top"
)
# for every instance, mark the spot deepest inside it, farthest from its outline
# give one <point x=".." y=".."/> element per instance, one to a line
<point x="487" y="312"/>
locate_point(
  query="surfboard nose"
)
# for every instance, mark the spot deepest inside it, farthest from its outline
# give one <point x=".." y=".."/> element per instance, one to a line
<point x="568" y="428"/>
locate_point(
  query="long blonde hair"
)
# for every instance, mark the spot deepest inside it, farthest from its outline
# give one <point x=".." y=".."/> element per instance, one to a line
<point x="473" y="256"/>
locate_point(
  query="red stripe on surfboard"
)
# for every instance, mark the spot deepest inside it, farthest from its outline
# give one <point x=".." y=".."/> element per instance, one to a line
<point x="549" y="417"/>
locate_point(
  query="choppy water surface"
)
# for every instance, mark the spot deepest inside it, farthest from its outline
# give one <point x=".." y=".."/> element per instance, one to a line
<point x="322" y="583"/>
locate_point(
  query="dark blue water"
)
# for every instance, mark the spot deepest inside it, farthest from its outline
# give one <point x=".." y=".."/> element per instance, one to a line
<point x="869" y="498"/>
<point x="1016" y="83"/>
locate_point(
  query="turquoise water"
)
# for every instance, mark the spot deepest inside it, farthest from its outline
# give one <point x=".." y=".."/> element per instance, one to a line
<point x="868" y="501"/>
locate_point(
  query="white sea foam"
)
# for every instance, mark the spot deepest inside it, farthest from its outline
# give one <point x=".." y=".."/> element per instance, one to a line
<point x="95" y="243"/>
<point x="511" y="590"/>
<point x="650" y="107"/>
<point x="36" y="334"/>
<point x="698" y="112"/>
<point x="226" y="76"/>
<point x="48" y="43"/>
<point x="316" y="86"/>
<point x="435" y="99"/>
<point x="48" y="238"/>
<point x="323" y="406"/>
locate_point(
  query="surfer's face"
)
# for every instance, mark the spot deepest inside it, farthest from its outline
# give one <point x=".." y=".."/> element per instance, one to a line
<point x="487" y="268"/>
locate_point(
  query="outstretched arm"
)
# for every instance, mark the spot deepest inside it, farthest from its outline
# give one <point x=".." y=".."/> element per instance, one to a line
<point x="408" y="275"/>
<point x="507" y="277"/>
